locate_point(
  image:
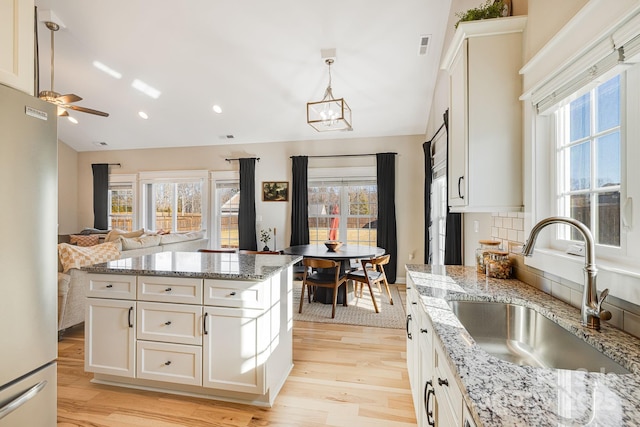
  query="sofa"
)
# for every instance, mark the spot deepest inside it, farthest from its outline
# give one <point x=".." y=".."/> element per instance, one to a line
<point x="80" y="252"/>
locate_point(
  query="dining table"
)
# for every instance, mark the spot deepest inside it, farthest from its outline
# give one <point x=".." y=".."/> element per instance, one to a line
<point x="344" y="255"/>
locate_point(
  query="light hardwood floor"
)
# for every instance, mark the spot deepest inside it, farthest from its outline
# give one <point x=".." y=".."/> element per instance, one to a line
<point x="343" y="376"/>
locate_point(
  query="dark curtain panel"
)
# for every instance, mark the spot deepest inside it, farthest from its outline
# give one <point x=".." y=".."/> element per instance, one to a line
<point x="247" y="208"/>
<point x="299" y="202"/>
<point x="100" y="195"/>
<point x="453" y="238"/>
<point x="387" y="238"/>
<point x="428" y="166"/>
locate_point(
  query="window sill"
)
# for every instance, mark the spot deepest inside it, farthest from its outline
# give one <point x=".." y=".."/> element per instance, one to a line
<point x="623" y="280"/>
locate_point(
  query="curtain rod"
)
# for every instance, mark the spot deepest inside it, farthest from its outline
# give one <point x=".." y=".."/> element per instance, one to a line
<point x="257" y="158"/>
<point x="342" y="155"/>
<point x="436" y="133"/>
<point x="115" y="164"/>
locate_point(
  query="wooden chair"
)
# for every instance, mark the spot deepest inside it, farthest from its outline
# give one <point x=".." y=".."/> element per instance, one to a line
<point x="246" y="251"/>
<point x="323" y="277"/>
<point x="218" y="251"/>
<point x="371" y="276"/>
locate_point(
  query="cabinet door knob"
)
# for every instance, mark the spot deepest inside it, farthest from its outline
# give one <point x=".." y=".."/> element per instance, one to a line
<point x="443" y="382"/>
<point x="168" y="322"/>
<point x="167" y="363"/>
<point x="168" y="290"/>
<point x="232" y="293"/>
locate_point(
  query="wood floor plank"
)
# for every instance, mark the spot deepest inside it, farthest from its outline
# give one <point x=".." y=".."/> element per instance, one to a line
<point x="343" y="375"/>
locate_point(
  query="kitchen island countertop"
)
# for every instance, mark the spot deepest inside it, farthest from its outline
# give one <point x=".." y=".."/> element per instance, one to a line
<point x="500" y="393"/>
<point x="203" y="265"/>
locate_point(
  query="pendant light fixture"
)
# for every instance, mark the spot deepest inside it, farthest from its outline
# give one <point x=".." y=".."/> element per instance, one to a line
<point x="330" y="113"/>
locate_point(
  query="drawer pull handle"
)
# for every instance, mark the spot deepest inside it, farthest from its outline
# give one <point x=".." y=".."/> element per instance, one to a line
<point x="408" y="321"/>
<point x="443" y="382"/>
<point x="232" y="293"/>
<point x="168" y="290"/>
<point x="167" y="363"/>
<point x="204" y="324"/>
<point x="424" y="330"/>
<point x="109" y="286"/>
<point x="129" y="317"/>
<point x="168" y="322"/>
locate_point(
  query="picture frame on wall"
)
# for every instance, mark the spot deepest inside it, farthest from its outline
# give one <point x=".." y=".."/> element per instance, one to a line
<point x="275" y="191"/>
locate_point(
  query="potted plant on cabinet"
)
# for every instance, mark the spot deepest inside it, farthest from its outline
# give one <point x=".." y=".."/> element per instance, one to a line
<point x="490" y="9"/>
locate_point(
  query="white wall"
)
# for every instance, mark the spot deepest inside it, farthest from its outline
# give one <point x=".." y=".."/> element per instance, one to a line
<point x="275" y="165"/>
<point x="67" y="189"/>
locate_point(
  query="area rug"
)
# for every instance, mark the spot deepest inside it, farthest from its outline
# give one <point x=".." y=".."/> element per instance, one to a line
<point x="359" y="312"/>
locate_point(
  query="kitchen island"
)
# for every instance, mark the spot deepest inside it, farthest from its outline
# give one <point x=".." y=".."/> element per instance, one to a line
<point x="210" y="325"/>
<point x="461" y="383"/>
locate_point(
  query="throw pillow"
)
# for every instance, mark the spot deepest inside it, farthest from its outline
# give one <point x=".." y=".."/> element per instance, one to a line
<point x="84" y="240"/>
<point x="182" y="237"/>
<point x="140" y="242"/>
<point x="78" y="256"/>
<point x="115" y="234"/>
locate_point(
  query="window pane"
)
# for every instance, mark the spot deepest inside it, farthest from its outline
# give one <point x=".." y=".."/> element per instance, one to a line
<point x="163" y="200"/>
<point x="189" y="208"/>
<point x="228" y="202"/>
<point x="121" y="214"/>
<point x="580" y="118"/>
<point x="609" y="218"/>
<point x="580" y="175"/>
<point x="608" y="104"/>
<point x="580" y="210"/>
<point x="608" y="160"/>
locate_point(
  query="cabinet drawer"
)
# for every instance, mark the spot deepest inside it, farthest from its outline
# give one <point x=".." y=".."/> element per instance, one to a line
<point x="446" y="387"/>
<point x="182" y="290"/>
<point x="174" y="323"/>
<point x="174" y="363"/>
<point x="234" y="293"/>
<point x="114" y="286"/>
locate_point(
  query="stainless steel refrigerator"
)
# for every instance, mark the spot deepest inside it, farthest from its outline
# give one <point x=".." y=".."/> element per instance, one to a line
<point x="28" y="260"/>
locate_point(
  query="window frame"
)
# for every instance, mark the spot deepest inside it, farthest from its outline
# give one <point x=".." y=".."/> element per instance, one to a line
<point x="215" y="220"/>
<point x="126" y="179"/>
<point x="560" y="238"/>
<point x="344" y="174"/>
<point x="180" y="176"/>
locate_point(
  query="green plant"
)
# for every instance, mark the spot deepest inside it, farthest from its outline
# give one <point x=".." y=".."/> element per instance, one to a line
<point x="490" y="9"/>
<point x="265" y="236"/>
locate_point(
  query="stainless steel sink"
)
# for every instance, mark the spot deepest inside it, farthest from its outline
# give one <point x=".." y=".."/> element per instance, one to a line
<point x="523" y="336"/>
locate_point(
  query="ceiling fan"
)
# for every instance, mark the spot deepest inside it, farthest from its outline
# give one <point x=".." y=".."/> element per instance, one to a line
<point x="63" y="101"/>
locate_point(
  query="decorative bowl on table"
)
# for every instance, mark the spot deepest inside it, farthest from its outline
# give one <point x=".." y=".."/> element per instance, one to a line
<point x="333" y="245"/>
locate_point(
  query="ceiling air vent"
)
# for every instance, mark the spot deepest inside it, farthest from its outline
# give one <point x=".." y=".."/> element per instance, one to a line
<point x="424" y="44"/>
<point x="100" y="143"/>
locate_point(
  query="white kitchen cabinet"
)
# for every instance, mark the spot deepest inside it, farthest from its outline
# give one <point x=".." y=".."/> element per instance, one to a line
<point x="448" y="408"/>
<point x="110" y="338"/>
<point x="485" y="116"/>
<point x="16" y="44"/>
<point x="205" y="337"/>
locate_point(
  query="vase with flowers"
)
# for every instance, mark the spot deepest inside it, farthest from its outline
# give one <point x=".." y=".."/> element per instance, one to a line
<point x="265" y="236"/>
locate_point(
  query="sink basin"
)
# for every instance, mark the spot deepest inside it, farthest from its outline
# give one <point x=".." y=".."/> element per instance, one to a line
<point x="523" y="336"/>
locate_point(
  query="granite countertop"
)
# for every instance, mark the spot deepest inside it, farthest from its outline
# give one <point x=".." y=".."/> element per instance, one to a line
<point x="199" y="265"/>
<point x="500" y="393"/>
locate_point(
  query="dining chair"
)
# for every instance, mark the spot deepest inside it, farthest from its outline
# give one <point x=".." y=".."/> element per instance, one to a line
<point x="218" y="251"/>
<point x="326" y="274"/>
<point x="372" y="273"/>
<point x="247" y="251"/>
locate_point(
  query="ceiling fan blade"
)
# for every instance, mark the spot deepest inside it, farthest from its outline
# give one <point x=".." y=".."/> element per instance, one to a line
<point x="69" y="98"/>
<point x="87" y="110"/>
<point x="62" y="112"/>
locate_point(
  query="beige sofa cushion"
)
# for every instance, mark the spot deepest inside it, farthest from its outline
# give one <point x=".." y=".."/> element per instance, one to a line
<point x="139" y="242"/>
<point x="167" y="239"/>
<point x="79" y="256"/>
<point x="114" y="234"/>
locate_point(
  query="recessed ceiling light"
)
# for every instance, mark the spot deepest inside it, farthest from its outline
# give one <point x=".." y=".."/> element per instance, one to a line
<point x="143" y="115"/>
<point x="146" y="89"/>
<point x="113" y="73"/>
<point x="72" y="120"/>
<point x="217" y="109"/>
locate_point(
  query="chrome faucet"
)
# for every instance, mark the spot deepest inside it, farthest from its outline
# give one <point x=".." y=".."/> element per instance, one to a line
<point x="591" y="311"/>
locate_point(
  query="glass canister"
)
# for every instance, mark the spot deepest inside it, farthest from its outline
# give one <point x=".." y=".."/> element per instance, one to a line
<point x="499" y="265"/>
<point x="485" y="246"/>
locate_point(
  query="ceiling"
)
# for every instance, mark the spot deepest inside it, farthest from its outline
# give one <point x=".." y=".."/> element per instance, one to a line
<point x="260" y="61"/>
